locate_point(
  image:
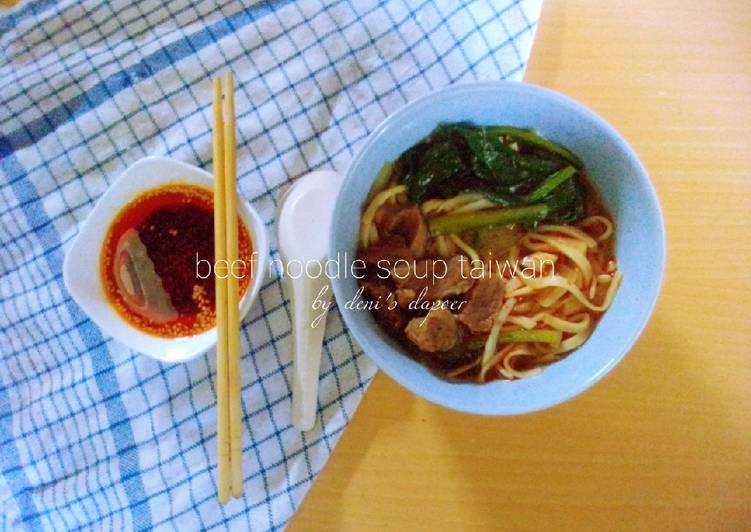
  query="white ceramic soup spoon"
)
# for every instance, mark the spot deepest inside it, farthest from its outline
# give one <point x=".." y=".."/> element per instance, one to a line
<point x="304" y="226"/>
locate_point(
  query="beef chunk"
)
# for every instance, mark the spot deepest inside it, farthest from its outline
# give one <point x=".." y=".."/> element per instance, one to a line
<point x="405" y="221"/>
<point x="411" y="278"/>
<point x="437" y="332"/>
<point x="483" y="304"/>
<point x="389" y="249"/>
<point x="375" y="289"/>
<point x="392" y="320"/>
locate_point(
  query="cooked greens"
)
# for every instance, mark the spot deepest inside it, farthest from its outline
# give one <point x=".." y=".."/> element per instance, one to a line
<point x="512" y="167"/>
<point x="462" y="221"/>
<point x="544" y="189"/>
<point x="546" y="336"/>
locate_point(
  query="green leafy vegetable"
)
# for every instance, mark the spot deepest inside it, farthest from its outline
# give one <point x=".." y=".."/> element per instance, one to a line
<point x="436" y="169"/>
<point x="529" y="136"/>
<point x="457" y="222"/>
<point x="512" y="167"/>
<point x="547" y="186"/>
<point x="546" y="336"/>
<point x="566" y="203"/>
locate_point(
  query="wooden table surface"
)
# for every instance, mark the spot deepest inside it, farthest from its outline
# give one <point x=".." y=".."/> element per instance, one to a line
<point x="664" y="441"/>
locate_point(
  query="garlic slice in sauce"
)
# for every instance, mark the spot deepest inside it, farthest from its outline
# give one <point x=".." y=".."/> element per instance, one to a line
<point x="137" y="280"/>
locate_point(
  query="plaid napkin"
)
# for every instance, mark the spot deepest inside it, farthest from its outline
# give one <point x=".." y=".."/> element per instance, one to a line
<point x="91" y="434"/>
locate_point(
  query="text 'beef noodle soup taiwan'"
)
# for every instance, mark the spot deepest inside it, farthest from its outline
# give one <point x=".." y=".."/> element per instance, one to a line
<point x="488" y="253"/>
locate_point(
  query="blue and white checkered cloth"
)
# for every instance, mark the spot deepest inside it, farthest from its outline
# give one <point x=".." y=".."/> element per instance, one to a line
<point x="93" y="435"/>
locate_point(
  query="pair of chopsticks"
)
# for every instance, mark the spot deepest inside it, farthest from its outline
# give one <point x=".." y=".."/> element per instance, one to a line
<point x="229" y="418"/>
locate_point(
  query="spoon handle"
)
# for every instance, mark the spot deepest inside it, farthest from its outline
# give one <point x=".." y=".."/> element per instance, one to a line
<point x="310" y="301"/>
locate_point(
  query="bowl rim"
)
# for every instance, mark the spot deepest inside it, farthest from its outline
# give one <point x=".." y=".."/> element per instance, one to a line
<point x="163" y="349"/>
<point x="614" y="138"/>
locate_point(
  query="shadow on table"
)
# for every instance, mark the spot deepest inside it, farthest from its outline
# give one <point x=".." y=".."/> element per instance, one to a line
<point x="369" y="420"/>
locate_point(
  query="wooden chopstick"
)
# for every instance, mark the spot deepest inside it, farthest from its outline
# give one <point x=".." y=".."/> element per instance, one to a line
<point x="220" y="254"/>
<point x="233" y="312"/>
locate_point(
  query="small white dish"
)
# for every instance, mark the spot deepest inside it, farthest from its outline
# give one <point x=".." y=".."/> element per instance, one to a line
<point x="81" y="268"/>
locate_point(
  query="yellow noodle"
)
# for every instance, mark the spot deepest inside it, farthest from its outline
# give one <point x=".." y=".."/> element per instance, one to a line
<point x="370" y="211"/>
<point x="512" y="285"/>
<point x="452" y="204"/>
<point x="569" y="306"/>
<point x="568" y="326"/>
<point x="562" y="282"/>
<point x="592" y="290"/>
<point x="573" y="341"/>
<point x="556" y="281"/>
<point x="522" y="321"/>
<point x="537" y="262"/>
<point x="446" y="205"/>
<point x="525" y="307"/>
<point x="513" y="253"/>
<point x="535" y="239"/>
<point x="570" y="231"/>
<point x="500" y="354"/>
<point x="508" y="370"/>
<point x="543" y="256"/>
<point x="548" y="297"/>
<point x="431" y="205"/>
<point x="573" y="249"/>
<point x="466" y="248"/>
<point x="592" y="220"/>
<point x="373" y="235"/>
<point x="478" y="205"/>
<point x="461" y="369"/>
<point x="538" y="316"/>
<point x="443" y="246"/>
<point x="577" y="278"/>
<point x="492" y="340"/>
<point x="536" y="246"/>
<point x="610" y="294"/>
<point x="523" y="291"/>
<point x="549" y="357"/>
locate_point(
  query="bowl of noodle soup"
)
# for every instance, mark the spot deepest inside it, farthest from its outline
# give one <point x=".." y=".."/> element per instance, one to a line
<point x="509" y="248"/>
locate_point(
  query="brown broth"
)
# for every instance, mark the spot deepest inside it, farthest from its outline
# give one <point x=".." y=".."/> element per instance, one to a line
<point x="175" y="224"/>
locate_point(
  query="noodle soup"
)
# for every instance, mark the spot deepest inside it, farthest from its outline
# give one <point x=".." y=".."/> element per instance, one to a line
<point x="488" y="252"/>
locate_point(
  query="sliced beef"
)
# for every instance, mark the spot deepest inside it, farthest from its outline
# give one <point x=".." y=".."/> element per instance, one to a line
<point x="393" y="320"/>
<point x="405" y="296"/>
<point x="437" y="332"/>
<point x="405" y="221"/>
<point x="389" y="249"/>
<point x="411" y="278"/>
<point x="483" y="304"/>
<point x="375" y="289"/>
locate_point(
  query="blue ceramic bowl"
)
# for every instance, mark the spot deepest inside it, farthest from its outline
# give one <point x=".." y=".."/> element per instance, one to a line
<point x="617" y="173"/>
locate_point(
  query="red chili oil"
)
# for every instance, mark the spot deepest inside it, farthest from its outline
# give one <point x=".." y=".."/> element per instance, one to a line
<point x="175" y="224"/>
